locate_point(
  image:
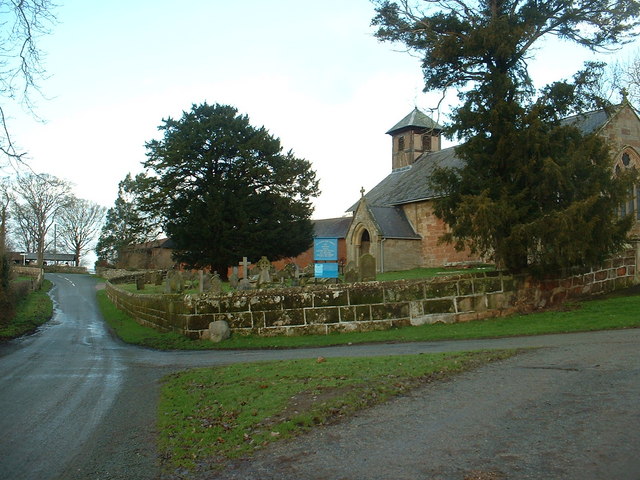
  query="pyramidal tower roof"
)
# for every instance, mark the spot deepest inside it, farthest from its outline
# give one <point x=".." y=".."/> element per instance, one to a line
<point x="415" y="119"/>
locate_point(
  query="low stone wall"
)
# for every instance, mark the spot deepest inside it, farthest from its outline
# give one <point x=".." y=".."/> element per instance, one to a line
<point x="64" y="269"/>
<point x="369" y="306"/>
<point x="36" y="274"/>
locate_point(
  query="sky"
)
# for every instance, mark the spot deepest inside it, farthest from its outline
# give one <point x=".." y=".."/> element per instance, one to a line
<point x="311" y="72"/>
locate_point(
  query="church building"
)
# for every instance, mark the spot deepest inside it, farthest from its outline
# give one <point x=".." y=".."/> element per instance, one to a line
<point x="395" y="222"/>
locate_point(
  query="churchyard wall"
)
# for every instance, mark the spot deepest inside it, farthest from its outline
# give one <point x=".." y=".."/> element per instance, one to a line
<point x="322" y="309"/>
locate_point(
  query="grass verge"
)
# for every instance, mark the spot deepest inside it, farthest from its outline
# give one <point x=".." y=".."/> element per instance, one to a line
<point x="31" y="312"/>
<point x="209" y="415"/>
<point x="602" y="314"/>
<point x="131" y="332"/>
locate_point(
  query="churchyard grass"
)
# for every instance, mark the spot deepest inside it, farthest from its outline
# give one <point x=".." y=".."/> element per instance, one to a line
<point x="208" y="415"/>
<point x="599" y="314"/>
<point x="418" y="273"/>
<point x="31" y="312"/>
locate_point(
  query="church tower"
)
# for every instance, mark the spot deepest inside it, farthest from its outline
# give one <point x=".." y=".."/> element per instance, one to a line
<point x="412" y="136"/>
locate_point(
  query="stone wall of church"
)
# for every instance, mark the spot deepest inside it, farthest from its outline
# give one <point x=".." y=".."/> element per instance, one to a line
<point x="399" y="254"/>
<point x="431" y="228"/>
<point x="623" y="130"/>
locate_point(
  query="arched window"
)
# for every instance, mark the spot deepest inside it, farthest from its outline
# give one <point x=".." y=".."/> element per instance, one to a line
<point x="401" y="143"/>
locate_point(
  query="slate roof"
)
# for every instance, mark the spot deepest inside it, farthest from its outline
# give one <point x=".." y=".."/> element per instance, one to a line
<point x="588" y="122"/>
<point x="415" y="119"/>
<point x="410" y="184"/>
<point x="331" y="227"/>
<point x="392" y="222"/>
<point x="48" y="257"/>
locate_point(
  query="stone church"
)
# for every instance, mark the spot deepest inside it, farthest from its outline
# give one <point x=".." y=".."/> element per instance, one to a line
<point x="395" y="222"/>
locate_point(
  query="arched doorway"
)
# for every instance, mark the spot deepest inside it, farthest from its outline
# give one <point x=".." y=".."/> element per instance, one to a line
<point x="365" y="242"/>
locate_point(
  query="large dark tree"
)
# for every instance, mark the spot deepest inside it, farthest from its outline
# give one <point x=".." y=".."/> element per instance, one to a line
<point x="533" y="191"/>
<point x="125" y="223"/>
<point x="224" y="189"/>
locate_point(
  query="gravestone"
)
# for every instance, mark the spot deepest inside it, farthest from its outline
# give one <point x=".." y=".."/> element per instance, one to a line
<point x="157" y="279"/>
<point x="233" y="278"/>
<point x="205" y="282"/>
<point x="367" y="268"/>
<point x="295" y="279"/>
<point x="175" y="283"/>
<point x="264" y="274"/>
<point x="140" y="283"/>
<point x="244" y="283"/>
<point x="201" y="281"/>
<point x="351" y="274"/>
<point x="215" y="284"/>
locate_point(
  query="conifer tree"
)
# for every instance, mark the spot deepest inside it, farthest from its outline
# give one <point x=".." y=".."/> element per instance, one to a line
<point x="534" y="192"/>
<point x="224" y="189"/>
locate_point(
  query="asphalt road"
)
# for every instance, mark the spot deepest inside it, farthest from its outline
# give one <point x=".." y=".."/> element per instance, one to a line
<point x="76" y="403"/>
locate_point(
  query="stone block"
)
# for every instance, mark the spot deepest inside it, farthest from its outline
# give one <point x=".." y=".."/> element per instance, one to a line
<point x="389" y="311"/>
<point x="236" y="320"/>
<point x="465" y="287"/>
<point x="279" y="318"/>
<point x="330" y="298"/>
<point x="362" y="294"/>
<point x="363" y="313"/>
<point x="438" y="306"/>
<point x="347" y="314"/>
<point x="441" y="289"/>
<point x="263" y="303"/>
<point x="601" y="275"/>
<point x="433" y="318"/>
<point x="402" y="292"/>
<point x="199" y="322"/>
<point x="297" y="299"/>
<point x="487" y="285"/>
<point x="234" y="303"/>
<point x="315" y="316"/>
<point x="207" y="305"/>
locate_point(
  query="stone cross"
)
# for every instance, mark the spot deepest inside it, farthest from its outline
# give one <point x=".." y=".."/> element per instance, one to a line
<point x="264" y="265"/>
<point x="245" y="267"/>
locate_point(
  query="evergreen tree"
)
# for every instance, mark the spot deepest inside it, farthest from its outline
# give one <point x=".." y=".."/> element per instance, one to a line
<point x="224" y="189"/>
<point x="125" y="223"/>
<point x="534" y="191"/>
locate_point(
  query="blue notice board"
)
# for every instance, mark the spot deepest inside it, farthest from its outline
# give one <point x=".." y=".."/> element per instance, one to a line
<point x="325" y="270"/>
<point x="325" y="249"/>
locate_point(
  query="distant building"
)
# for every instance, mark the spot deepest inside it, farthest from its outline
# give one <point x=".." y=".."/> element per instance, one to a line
<point x="18" y="258"/>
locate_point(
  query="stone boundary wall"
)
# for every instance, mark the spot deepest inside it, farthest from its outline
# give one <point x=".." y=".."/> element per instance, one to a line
<point x="316" y="309"/>
<point x="64" y="269"/>
<point x="36" y="274"/>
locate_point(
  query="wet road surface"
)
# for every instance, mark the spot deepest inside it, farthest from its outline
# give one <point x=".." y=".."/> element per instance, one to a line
<point x="76" y="403"/>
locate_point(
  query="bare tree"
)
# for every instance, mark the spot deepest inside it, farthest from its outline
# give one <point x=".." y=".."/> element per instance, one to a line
<point x="5" y="202"/>
<point x="24" y="227"/>
<point x="21" y="67"/>
<point x="631" y="78"/>
<point x="79" y="222"/>
<point x="41" y="197"/>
